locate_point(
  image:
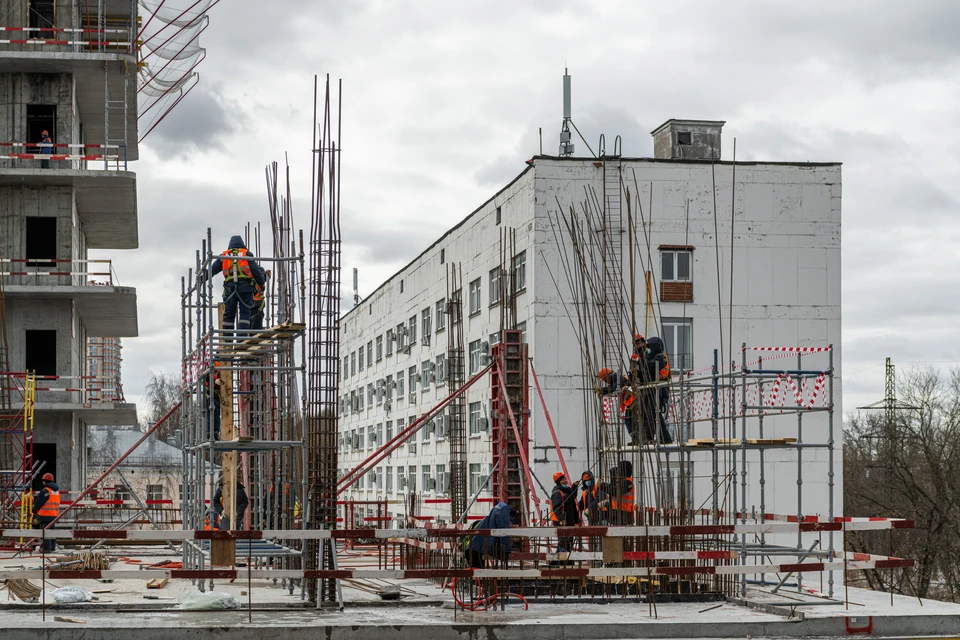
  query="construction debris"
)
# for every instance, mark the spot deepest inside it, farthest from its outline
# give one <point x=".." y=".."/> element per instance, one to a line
<point x="24" y="590"/>
<point x="73" y="620"/>
<point x="157" y="584"/>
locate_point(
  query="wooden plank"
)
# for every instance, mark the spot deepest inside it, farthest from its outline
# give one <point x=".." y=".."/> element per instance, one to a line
<point x="228" y="460"/>
<point x="223" y="553"/>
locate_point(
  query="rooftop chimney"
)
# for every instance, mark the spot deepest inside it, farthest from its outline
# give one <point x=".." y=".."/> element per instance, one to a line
<point x="687" y="140"/>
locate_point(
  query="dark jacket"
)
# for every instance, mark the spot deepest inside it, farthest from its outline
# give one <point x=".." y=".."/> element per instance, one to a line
<point x="591" y="493"/>
<point x="236" y="242"/>
<point x="241" y="499"/>
<point x="564" y="503"/>
<point x="43" y="495"/>
<point x="655" y="358"/>
<point x="498" y="518"/>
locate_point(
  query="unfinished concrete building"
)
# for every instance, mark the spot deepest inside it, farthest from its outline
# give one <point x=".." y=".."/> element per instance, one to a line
<point x="68" y="122"/>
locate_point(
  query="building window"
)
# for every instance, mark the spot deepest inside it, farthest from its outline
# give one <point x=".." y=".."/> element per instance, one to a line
<point x="427" y="478"/>
<point x="412" y="324"/>
<point x="361" y="359"/>
<point x="443" y="479"/>
<point x="412" y="378"/>
<point x="346" y="367"/>
<point x="477" y="422"/>
<point x="522" y="328"/>
<point x="401" y="479"/>
<point x="40" y="351"/>
<point x="353" y="363"/>
<point x="389" y="431"/>
<point x="389" y="478"/>
<point x="474" y="357"/>
<point x="676" y="274"/>
<point x="678" y="342"/>
<point x="401" y="336"/>
<point x="371" y="437"/>
<point x="495" y="286"/>
<point x="684" y="138"/>
<point x="425" y="432"/>
<point x="425" y="375"/>
<point x="388" y="388"/>
<point x="456" y="307"/>
<point x="478" y="473"/>
<point x="41" y="117"/>
<point x="441" y="369"/>
<point x="379" y="348"/>
<point x="370" y="353"/>
<point x="441" y="315"/>
<point x="399" y="384"/>
<point x="371" y="394"/>
<point x="401" y="286"/>
<point x="154" y="492"/>
<point x="390" y="339"/>
<point x="520" y="270"/>
<point x="474" y="302"/>
<point x="443" y="256"/>
<point x="498" y="215"/>
<point x="412" y="478"/>
<point x="425" y="325"/>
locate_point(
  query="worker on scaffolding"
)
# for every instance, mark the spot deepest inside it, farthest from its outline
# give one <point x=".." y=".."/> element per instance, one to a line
<point x="240" y="507"/>
<point x="241" y="275"/>
<point x="211" y="407"/>
<point x="563" y="508"/>
<point x="46" y="148"/>
<point x="496" y="547"/>
<point x="615" y="383"/>
<point x="658" y="367"/>
<point x="259" y="304"/>
<point x="621" y="493"/>
<point x="593" y="500"/>
<point x="46" y="506"/>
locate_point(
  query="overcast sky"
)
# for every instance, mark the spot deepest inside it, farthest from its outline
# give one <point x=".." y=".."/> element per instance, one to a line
<point x="443" y="101"/>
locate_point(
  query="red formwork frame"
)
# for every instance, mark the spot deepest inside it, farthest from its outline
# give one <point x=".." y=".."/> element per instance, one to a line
<point x="510" y="422"/>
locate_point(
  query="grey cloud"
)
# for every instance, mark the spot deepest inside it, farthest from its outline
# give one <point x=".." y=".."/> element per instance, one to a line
<point x="203" y="121"/>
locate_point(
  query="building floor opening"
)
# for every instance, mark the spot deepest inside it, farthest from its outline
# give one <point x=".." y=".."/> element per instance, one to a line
<point x="41" y="241"/>
<point x="40" y="118"/>
<point x="42" y="14"/>
<point x="44" y="452"/>
<point x="40" y="353"/>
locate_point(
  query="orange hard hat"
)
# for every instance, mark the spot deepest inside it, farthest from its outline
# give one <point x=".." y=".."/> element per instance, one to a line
<point x="44" y="133"/>
<point x="637" y="336"/>
<point x="557" y="476"/>
<point x="603" y="373"/>
<point x="47" y="477"/>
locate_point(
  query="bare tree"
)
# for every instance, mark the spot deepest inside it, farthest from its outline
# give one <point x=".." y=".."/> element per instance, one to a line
<point x="906" y="463"/>
<point x="162" y="392"/>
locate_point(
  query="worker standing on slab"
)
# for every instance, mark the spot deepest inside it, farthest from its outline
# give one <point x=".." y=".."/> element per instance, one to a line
<point x="46" y="148"/>
<point x="659" y="371"/>
<point x="46" y="504"/>
<point x="241" y="275"/>
<point x="563" y="508"/>
<point x="241" y="503"/>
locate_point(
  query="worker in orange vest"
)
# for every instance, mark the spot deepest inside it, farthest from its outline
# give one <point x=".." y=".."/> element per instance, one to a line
<point x="241" y="274"/>
<point x="615" y="382"/>
<point x="563" y="508"/>
<point x="46" y="505"/>
<point x="621" y="494"/>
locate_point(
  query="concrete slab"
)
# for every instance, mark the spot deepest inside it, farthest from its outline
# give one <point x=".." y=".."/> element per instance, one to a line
<point x="92" y="72"/>
<point x="427" y="612"/>
<point x="105" y="413"/>
<point x="105" y="311"/>
<point x="106" y="201"/>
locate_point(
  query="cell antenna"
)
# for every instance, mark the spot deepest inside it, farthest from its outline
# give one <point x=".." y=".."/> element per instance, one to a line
<point x="566" y="146"/>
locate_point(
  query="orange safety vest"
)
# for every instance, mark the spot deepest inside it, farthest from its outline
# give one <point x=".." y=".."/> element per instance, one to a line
<point x="242" y="265"/>
<point x="258" y="293"/>
<point x="206" y="523"/>
<point x="626" y="502"/>
<point x="627" y="398"/>
<point x="50" y="508"/>
<point x="665" y="371"/>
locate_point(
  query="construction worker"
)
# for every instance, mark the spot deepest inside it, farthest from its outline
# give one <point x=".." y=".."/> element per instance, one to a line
<point x="46" y="505"/>
<point x="496" y="547"/>
<point x="615" y="382"/>
<point x="563" y="508"/>
<point x="593" y="500"/>
<point x="46" y="148"/>
<point x="240" y="502"/>
<point x="659" y="370"/>
<point x="212" y="401"/>
<point x="259" y="305"/>
<point x="621" y="493"/>
<point x="241" y="274"/>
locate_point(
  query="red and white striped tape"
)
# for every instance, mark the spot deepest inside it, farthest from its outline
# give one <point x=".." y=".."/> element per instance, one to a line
<point x="792" y="349"/>
<point x="56" y="156"/>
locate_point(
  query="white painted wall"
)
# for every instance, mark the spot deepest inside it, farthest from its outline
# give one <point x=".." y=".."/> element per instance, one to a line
<point x="786" y="292"/>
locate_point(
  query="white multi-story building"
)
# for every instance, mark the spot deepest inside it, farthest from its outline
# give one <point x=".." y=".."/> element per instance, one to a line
<point x="786" y="292"/>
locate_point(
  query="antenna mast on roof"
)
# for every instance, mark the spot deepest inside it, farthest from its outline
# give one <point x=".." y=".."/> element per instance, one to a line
<point x="356" y="288"/>
<point x="566" y="147"/>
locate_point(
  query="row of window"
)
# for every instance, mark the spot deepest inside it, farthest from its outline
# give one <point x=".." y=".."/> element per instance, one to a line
<point x="375" y="436"/>
<point x="404" y="335"/>
<point x="383" y="391"/>
<point x="425" y="478"/>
